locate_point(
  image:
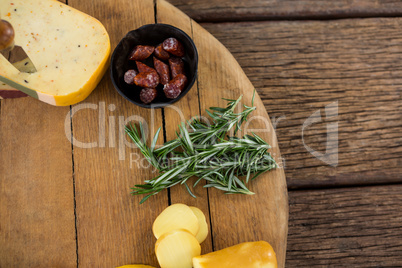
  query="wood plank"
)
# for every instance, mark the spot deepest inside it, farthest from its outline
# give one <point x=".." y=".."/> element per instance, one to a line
<point x="239" y="218"/>
<point x="346" y="227"/>
<point x="301" y="67"/>
<point x="113" y="229"/>
<point x="241" y="10"/>
<point x="36" y="189"/>
<point x="187" y="108"/>
<point x="37" y="219"/>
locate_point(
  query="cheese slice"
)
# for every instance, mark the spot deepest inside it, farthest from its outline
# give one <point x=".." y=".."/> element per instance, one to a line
<point x="69" y="49"/>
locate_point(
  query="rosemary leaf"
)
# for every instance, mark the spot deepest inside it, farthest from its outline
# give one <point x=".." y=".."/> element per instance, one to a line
<point x="207" y="153"/>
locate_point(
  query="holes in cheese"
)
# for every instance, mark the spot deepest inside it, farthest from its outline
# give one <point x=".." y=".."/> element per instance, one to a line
<point x="245" y="255"/>
<point x="176" y="249"/>
<point x="177" y="216"/>
<point x="69" y="49"/>
<point x="203" y="231"/>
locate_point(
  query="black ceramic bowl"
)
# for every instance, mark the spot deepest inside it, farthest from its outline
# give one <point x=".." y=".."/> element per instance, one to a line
<point x="153" y="35"/>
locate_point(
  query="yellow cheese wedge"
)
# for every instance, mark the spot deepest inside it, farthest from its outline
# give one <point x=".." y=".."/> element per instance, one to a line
<point x="135" y="266"/>
<point x="245" y="255"/>
<point x="69" y="49"/>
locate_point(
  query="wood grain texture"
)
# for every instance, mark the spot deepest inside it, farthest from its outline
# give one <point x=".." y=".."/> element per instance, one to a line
<point x="187" y="108"/>
<point x="301" y="67"/>
<point x="239" y="218"/>
<point x="346" y="227"/>
<point x="37" y="226"/>
<point x="113" y="228"/>
<point x="241" y="10"/>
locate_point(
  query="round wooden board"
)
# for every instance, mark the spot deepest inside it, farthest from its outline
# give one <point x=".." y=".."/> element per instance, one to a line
<point x="234" y="218"/>
<point x="92" y="213"/>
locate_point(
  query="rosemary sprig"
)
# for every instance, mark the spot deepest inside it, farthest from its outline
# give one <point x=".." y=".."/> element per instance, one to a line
<point x="207" y="153"/>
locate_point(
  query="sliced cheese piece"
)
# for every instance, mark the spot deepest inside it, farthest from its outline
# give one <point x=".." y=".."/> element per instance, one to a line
<point x="203" y="231"/>
<point x="69" y="49"/>
<point x="176" y="249"/>
<point x="176" y="216"/>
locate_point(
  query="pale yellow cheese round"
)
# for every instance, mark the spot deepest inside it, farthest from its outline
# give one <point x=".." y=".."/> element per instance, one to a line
<point x="203" y="231"/>
<point x="176" y="216"/>
<point x="176" y="249"/>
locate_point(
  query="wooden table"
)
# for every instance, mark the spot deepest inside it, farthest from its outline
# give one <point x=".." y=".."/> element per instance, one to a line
<point x="329" y="79"/>
<point x="302" y="56"/>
